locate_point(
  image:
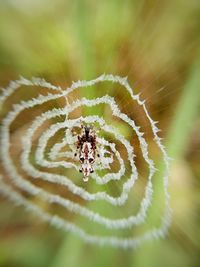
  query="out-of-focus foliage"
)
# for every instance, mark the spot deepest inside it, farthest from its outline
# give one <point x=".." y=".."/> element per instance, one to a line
<point x="154" y="43"/>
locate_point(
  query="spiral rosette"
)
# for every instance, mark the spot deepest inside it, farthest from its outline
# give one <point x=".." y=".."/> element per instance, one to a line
<point x="41" y="172"/>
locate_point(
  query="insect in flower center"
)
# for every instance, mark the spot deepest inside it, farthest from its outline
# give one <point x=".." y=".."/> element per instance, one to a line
<point x="86" y="147"/>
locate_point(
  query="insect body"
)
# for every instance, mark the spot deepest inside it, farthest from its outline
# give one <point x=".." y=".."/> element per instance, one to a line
<point x="86" y="146"/>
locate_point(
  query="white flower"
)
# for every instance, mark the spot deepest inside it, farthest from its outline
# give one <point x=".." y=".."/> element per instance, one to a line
<point x="47" y="162"/>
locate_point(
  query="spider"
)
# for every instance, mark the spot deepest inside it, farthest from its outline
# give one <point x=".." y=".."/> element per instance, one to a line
<point x="86" y="149"/>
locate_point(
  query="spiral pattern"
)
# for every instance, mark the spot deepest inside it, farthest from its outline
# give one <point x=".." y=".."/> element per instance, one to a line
<point x="29" y="178"/>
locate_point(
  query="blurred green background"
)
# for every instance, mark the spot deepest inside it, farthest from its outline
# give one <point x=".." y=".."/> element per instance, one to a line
<point x="156" y="44"/>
